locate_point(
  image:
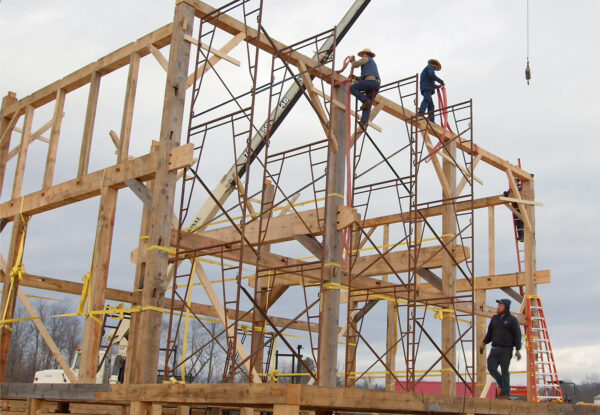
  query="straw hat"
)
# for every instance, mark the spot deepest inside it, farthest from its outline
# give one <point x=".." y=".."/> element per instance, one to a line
<point x="435" y="63"/>
<point x="368" y="52"/>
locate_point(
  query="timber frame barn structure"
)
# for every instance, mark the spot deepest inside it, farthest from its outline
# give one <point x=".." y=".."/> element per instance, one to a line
<point x="392" y="227"/>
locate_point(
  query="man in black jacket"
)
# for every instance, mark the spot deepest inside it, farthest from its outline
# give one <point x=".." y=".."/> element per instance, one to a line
<point x="504" y="333"/>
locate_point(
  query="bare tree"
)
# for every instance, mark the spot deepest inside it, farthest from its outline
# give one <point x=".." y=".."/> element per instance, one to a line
<point x="28" y="351"/>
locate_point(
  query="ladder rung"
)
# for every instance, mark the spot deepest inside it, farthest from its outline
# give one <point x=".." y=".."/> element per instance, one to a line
<point x="548" y="386"/>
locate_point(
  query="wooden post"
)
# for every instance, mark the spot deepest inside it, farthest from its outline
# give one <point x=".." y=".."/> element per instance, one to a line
<point x="480" y="303"/>
<point x="140" y="269"/>
<point x="88" y="126"/>
<point x="262" y="295"/>
<point x="59" y="105"/>
<point x="34" y="406"/>
<point x="449" y="273"/>
<point x="392" y="326"/>
<point x="140" y="408"/>
<point x="144" y="358"/>
<point x="7" y="124"/>
<point x="25" y="139"/>
<point x="92" y="330"/>
<point x="9" y="298"/>
<point x="134" y="67"/>
<point x="286" y="409"/>
<point x="332" y="249"/>
<point x="528" y="193"/>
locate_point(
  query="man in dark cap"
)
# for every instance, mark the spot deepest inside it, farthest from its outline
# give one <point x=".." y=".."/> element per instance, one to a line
<point x="427" y="86"/>
<point x="365" y="89"/>
<point x="504" y="333"/>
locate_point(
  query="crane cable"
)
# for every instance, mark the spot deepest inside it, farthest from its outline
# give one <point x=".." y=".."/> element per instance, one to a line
<point x="527" y="69"/>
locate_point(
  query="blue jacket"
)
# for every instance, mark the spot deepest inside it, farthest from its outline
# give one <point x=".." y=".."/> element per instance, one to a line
<point x="369" y="69"/>
<point x="428" y="78"/>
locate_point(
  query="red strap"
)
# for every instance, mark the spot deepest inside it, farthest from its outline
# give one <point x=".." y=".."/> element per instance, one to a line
<point x="443" y="105"/>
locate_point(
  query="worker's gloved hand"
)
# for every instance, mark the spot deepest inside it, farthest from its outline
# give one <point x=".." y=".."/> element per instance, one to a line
<point x="481" y="349"/>
<point x="518" y="354"/>
<point x="352" y="58"/>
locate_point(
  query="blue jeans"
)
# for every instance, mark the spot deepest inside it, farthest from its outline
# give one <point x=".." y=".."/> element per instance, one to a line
<point x="427" y="104"/>
<point x="500" y="356"/>
<point x="360" y="90"/>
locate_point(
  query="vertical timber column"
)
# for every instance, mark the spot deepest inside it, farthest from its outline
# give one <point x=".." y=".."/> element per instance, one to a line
<point x="528" y="193"/>
<point x="5" y="134"/>
<point x="59" y="105"/>
<point x="480" y="303"/>
<point x="145" y="354"/>
<point x="9" y="296"/>
<point x="332" y="248"/>
<point x="392" y="326"/>
<point x="262" y="294"/>
<point x="140" y="269"/>
<point x="449" y="274"/>
<point x="88" y="126"/>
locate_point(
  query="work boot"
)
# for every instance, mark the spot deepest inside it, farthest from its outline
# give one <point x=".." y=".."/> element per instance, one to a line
<point x="362" y="125"/>
<point x="503" y="396"/>
<point x="366" y="105"/>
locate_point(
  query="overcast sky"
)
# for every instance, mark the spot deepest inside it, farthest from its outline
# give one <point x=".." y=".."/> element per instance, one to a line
<point x="482" y="47"/>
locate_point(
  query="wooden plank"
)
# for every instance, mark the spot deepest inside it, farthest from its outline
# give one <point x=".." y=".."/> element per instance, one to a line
<point x="317" y="106"/>
<point x="437" y="166"/>
<point x="530" y="244"/>
<point x="88" y="126"/>
<point x="464" y="180"/>
<point x="88" y="186"/>
<point x="105" y="65"/>
<point x="92" y="328"/>
<point x="141" y="191"/>
<point x="515" y="191"/>
<point x="160" y="58"/>
<point x="7" y="125"/>
<point x="46" y="336"/>
<point x="127" y="119"/>
<point x="115" y="139"/>
<point x="54" y="138"/>
<point x="144" y="357"/>
<point x="20" y="168"/>
<point x="212" y="50"/>
<point x="522" y="201"/>
<point x="332" y="249"/>
<point x="218" y="306"/>
<point x="228" y="47"/>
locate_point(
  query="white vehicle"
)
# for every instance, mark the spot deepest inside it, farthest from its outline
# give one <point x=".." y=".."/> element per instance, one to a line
<point x="112" y="369"/>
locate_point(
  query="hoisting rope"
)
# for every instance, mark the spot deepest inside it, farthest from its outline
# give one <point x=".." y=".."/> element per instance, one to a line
<point x="346" y="249"/>
<point x="443" y="106"/>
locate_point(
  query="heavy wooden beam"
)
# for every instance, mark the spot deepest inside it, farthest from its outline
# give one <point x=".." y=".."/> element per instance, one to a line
<point x="284" y="227"/>
<point x="113" y="294"/>
<point x="7" y="125"/>
<point x="329" y="399"/>
<point x="85" y="187"/>
<point x="105" y="65"/>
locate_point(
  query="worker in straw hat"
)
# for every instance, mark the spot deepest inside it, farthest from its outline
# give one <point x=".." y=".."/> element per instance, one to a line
<point x="366" y="87"/>
<point x="427" y="84"/>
